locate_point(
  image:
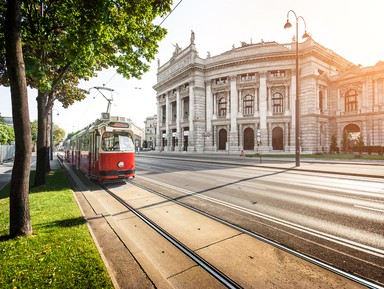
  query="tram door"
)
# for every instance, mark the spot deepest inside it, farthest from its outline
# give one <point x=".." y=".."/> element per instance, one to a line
<point x="93" y="153"/>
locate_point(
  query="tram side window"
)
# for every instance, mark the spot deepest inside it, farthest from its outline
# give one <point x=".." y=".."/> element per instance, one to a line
<point x="121" y="141"/>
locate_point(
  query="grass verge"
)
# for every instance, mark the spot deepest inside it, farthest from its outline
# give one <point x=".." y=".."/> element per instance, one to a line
<point x="321" y="156"/>
<point x="61" y="253"/>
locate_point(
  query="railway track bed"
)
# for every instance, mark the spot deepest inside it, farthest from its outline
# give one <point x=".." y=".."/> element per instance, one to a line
<point x="235" y="259"/>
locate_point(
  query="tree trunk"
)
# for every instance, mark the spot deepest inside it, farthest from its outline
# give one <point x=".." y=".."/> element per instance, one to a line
<point x="42" y="149"/>
<point x="20" y="220"/>
<point x="48" y="138"/>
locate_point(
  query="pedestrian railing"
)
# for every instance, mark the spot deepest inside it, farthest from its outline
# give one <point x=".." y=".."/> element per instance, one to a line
<point x="7" y="152"/>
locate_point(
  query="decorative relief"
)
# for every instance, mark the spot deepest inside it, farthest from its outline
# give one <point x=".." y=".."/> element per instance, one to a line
<point x="356" y="86"/>
<point x="278" y="76"/>
<point x="248" y="80"/>
<point x="245" y="92"/>
<point x="221" y="94"/>
<point x="174" y="69"/>
<point x="278" y="89"/>
<point x="220" y="84"/>
<point x="250" y="50"/>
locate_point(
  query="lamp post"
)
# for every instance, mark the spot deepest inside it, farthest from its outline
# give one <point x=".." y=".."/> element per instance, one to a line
<point x="297" y="103"/>
<point x="51" y="141"/>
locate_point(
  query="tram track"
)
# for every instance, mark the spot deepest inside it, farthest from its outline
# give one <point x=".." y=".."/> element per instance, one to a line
<point x="302" y="256"/>
<point x="223" y="278"/>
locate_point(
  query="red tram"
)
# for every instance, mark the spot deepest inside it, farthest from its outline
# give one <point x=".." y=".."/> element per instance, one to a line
<point x="104" y="150"/>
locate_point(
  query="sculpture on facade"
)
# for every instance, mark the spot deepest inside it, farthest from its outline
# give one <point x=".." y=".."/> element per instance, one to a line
<point x="177" y="49"/>
<point x="192" y="37"/>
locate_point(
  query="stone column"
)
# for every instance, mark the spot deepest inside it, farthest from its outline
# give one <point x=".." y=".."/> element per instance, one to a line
<point x="256" y="104"/>
<point x="325" y="100"/>
<point x="287" y="101"/>
<point x="191" y="136"/>
<point x="158" y="132"/>
<point x="233" y="135"/>
<point x="339" y="103"/>
<point x="179" y="119"/>
<point x="293" y="113"/>
<point x="214" y="116"/>
<point x="263" y="110"/>
<point x="241" y="136"/>
<point x="286" y="134"/>
<point x="208" y="116"/>
<point x="269" y="101"/>
<point x="167" y="120"/>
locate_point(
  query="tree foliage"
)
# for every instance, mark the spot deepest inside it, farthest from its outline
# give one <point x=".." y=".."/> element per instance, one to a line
<point x="65" y="41"/>
<point x="34" y="131"/>
<point x="58" y="134"/>
<point x="7" y="135"/>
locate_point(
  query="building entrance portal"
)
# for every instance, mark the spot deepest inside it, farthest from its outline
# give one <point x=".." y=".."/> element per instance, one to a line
<point x="185" y="147"/>
<point x="249" y="139"/>
<point x="351" y="137"/>
<point x="277" y="139"/>
<point x="222" y="139"/>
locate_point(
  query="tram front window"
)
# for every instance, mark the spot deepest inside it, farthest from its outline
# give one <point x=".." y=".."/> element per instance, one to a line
<point x="117" y="141"/>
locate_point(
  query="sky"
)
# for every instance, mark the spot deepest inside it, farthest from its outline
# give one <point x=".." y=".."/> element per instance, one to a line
<point x="351" y="28"/>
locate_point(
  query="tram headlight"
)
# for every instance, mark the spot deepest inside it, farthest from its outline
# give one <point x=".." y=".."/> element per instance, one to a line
<point x="120" y="164"/>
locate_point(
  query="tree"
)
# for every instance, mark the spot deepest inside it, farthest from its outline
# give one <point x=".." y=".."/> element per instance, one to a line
<point x="58" y="134"/>
<point x="34" y="133"/>
<point x="333" y="147"/>
<point x="20" y="221"/>
<point x="70" y="40"/>
<point x="7" y="134"/>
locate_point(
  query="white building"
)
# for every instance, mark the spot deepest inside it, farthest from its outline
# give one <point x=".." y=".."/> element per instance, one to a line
<point x="150" y="125"/>
<point x="244" y="99"/>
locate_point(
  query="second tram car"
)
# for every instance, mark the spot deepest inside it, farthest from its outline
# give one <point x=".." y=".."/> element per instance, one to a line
<point x="104" y="150"/>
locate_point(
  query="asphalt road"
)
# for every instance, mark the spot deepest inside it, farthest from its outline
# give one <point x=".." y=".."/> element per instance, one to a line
<point x="5" y="173"/>
<point x="336" y="218"/>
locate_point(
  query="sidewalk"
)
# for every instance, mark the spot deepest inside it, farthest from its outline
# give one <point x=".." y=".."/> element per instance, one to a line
<point x="6" y="169"/>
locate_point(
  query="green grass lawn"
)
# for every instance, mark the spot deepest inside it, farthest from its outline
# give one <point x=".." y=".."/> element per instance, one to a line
<point x="321" y="156"/>
<point x="61" y="253"/>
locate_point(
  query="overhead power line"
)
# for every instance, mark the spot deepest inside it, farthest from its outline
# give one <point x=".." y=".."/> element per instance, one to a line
<point x="170" y="12"/>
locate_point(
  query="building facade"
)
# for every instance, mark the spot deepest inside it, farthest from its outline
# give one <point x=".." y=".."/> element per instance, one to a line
<point x="150" y="125"/>
<point x="244" y="99"/>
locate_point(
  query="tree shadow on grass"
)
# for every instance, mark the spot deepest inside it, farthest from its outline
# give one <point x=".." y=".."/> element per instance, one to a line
<point x="4" y="238"/>
<point x="73" y="222"/>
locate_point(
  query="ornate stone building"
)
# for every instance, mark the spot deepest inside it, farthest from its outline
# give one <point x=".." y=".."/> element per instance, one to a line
<point x="150" y="132"/>
<point x="244" y="99"/>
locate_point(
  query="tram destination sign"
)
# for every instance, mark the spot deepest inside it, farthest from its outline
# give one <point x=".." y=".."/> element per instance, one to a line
<point x="119" y="124"/>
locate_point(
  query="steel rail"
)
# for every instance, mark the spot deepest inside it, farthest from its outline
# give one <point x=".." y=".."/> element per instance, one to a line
<point x="307" y="258"/>
<point x="225" y="280"/>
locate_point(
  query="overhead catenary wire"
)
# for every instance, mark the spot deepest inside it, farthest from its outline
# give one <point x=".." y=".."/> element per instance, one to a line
<point x="113" y="76"/>
<point x="158" y="26"/>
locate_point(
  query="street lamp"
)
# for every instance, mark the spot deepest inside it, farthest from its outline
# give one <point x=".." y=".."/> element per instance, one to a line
<point x="297" y="104"/>
<point x="51" y="141"/>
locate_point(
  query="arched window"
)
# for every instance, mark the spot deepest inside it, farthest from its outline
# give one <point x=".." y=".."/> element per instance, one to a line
<point x="248" y="105"/>
<point x="222" y="106"/>
<point x="351" y="100"/>
<point x="277" y="103"/>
